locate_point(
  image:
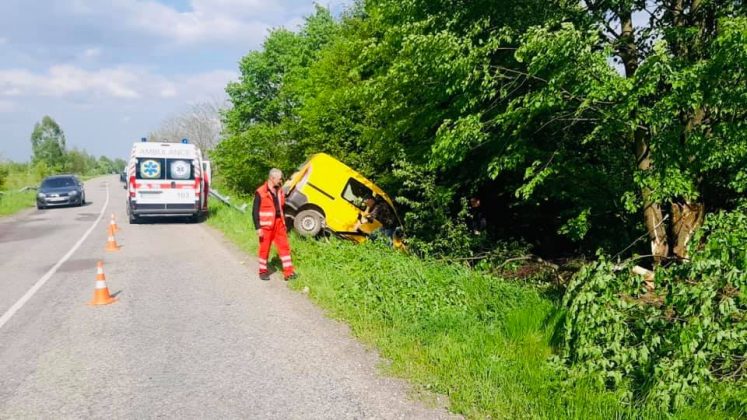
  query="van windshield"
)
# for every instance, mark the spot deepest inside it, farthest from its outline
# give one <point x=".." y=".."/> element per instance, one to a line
<point x="168" y="169"/>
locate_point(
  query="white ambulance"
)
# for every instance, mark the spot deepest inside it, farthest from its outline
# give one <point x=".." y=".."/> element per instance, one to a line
<point x="167" y="179"/>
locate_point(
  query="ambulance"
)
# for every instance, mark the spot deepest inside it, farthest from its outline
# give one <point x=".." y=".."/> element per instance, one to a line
<point x="167" y="179"/>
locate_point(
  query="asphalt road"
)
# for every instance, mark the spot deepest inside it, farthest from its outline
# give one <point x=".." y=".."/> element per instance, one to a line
<point x="194" y="333"/>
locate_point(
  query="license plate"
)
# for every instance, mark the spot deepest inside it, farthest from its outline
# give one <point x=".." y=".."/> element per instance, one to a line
<point x="56" y="198"/>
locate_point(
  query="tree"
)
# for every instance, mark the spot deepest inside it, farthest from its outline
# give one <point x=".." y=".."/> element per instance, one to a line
<point x="677" y="103"/>
<point x="78" y="161"/>
<point x="663" y="134"/>
<point x="201" y="124"/>
<point x="572" y="119"/>
<point x="48" y="143"/>
<point x="262" y="124"/>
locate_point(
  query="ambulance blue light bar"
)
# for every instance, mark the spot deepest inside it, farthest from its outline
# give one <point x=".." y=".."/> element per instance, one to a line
<point x="143" y="139"/>
<point x="185" y="141"/>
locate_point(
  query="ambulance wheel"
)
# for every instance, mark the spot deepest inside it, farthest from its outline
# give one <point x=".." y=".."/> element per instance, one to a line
<point x="308" y="222"/>
<point x="133" y="219"/>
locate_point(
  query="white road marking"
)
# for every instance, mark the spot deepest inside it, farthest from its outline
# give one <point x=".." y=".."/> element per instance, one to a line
<point x="25" y="298"/>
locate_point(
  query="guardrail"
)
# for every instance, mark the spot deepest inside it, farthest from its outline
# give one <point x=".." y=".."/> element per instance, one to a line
<point x="227" y="201"/>
<point x="21" y="190"/>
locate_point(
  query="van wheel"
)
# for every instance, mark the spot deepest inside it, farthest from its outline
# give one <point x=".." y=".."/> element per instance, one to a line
<point x="133" y="219"/>
<point x="308" y="223"/>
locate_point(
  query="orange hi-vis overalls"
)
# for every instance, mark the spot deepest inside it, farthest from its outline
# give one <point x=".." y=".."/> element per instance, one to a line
<point x="273" y="229"/>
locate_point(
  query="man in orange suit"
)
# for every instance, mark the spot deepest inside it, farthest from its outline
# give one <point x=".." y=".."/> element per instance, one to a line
<point x="269" y="220"/>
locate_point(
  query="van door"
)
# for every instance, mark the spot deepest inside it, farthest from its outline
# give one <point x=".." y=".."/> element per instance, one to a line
<point x="179" y="188"/>
<point x="163" y="183"/>
<point x="149" y="174"/>
<point x="355" y="193"/>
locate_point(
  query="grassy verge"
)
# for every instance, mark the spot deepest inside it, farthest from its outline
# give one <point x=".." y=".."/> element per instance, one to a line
<point x="13" y="201"/>
<point x="483" y="342"/>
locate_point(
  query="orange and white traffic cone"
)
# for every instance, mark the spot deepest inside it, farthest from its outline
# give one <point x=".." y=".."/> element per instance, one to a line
<point x="111" y="243"/>
<point x="101" y="294"/>
<point x="113" y="225"/>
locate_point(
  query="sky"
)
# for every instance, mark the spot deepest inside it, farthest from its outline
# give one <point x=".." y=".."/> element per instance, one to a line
<point x="109" y="72"/>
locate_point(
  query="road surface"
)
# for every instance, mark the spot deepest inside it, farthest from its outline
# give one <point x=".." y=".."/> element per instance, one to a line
<point x="194" y="333"/>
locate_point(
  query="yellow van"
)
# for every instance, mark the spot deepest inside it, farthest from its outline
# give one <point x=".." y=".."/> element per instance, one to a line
<point x="326" y="194"/>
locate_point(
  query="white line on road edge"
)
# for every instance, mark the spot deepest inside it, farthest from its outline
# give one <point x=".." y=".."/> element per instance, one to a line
<point x="25" y="298"/>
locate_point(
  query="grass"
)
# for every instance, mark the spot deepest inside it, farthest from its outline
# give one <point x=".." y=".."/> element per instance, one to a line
<point x="482" y="341"/>
<point x="13" y="201"/>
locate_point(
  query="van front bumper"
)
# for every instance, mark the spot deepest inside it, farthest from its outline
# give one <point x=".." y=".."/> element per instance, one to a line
<point x="295" y="201"/>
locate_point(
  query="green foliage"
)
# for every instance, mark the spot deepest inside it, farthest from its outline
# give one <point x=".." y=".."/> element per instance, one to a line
<point x="477" y="339"/>
<point x="80" y="162"/>
<point x="4" y="171"/>
<point x="48" y="143"/>
<point x="423" y="201"/>
<point x="520" y="102"/>
<point x="261" y="127"/>
<point x="673" y="345"/>
<point x="16" y="176"/>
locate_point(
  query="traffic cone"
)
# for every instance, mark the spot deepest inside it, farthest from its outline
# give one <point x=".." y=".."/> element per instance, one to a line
<point x="111" y="243"/>
<point x="113" y="225"/>
<point x="101" y="294"/>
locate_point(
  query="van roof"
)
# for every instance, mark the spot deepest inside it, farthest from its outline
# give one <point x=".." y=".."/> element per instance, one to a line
<point x="172" y="150"/>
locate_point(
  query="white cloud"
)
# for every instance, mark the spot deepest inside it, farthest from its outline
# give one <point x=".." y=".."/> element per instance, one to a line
<point x="3" y="40"/>
<point x="92" y="53"/>
<point x="198" y="26"/>
<point x="119" y="83"/>
<point x="232" y="21"/>
<point x="64" y="80"/>
<point x="168" y="91"/>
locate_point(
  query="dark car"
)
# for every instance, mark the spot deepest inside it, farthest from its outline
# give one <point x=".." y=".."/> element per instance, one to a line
<point x="60" y="190"/>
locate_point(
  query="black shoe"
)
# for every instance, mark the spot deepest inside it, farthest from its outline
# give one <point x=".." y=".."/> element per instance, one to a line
<point x="264" y="276"/>
<point x="291" y="277"/>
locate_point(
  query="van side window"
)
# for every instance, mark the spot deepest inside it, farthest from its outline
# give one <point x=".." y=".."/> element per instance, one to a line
<point x="354" y="192"/>
<point x="150" y="168"/>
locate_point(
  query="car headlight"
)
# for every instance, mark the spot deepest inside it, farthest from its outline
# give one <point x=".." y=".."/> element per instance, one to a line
<point x="41" y="195"/>
<point x="73" y="192"/>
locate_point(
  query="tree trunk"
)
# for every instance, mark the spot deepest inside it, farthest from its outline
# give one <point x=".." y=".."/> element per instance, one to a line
<point x="652" y="215"/>
<point x="686" y="219"/>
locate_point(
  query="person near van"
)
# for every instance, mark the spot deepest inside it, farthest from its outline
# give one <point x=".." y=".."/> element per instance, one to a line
<point x="379" y="210"/>
<point x="269" y="220"/>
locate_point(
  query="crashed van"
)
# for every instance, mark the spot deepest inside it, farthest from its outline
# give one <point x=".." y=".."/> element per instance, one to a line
<point x="327" y="195"/>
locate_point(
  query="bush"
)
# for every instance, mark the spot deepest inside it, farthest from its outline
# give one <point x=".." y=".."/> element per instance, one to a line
<point x="429" y="222"/>
<point x="4" y="171"/>
<point x="673" y="345"/>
